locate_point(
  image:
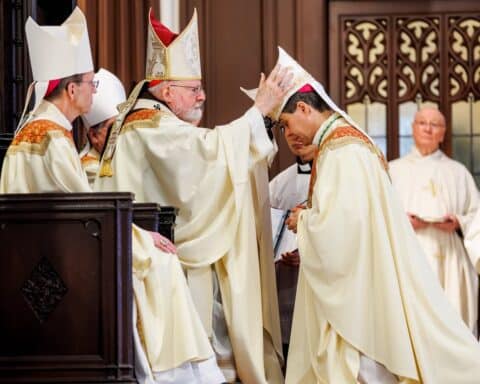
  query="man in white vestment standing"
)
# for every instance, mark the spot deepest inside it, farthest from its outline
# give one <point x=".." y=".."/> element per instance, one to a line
<point x="218" y="180"/>
<point x="368" y="307"/>
<point x="287" y="190"/>
<point x="170" y="343"/>
<point x="441" y="199"/>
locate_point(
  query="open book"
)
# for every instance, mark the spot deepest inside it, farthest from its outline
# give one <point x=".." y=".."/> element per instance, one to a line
<point x="431" y="219"/>
<point x="284" y="240"/>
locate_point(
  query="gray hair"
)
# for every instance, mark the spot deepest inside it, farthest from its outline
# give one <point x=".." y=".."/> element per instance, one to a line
<point x="156" y="88"/>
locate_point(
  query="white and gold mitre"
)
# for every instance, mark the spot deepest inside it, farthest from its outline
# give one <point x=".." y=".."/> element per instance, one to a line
<point x="171" y="56"/>
<point x="301" y="78"/>
<point x="59" y="51"/>
<point x="110" y="93"/>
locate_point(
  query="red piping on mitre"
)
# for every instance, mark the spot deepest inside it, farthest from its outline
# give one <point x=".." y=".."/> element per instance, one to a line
<point x="165" y="35"/>
<point x="306" y="88"/>
<point x="52" y="84"/>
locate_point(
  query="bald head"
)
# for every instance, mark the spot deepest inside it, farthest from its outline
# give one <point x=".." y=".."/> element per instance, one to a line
<point x="429" y="128"/>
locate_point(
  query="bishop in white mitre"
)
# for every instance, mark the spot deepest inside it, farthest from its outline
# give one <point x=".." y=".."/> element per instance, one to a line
<point x="368" y="307"/>
<point x="171" y="344"/>
<point x="218" y="180"/>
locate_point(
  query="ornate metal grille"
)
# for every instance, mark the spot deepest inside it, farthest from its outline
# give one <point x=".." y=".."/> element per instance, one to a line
<point x="391" y="64"/>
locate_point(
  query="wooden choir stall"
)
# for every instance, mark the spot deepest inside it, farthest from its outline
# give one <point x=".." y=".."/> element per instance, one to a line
<point x="66" y="285"/>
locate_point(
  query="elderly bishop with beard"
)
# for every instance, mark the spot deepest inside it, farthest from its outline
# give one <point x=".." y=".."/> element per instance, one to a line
<point x="218" y="180"/>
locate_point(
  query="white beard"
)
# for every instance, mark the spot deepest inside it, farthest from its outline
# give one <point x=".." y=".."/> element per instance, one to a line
<point x="193" y="115"/>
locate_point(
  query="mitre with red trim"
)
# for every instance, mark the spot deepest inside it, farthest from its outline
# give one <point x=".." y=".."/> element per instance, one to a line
<point x="171" y="56"/>
<point x="302" y="82"/>
<point x="56" y="52"/>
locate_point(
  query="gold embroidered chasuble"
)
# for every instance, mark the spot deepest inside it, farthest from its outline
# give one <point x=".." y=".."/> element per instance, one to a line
<point x="364" y="285"/>
<point x="43" y="158"/>
<point x="214" y="177"/>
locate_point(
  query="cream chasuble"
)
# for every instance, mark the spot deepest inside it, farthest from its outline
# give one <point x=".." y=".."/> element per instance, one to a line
<point x="472" y="241"/>
<point x="170" y="339"/>
<point x="215" y="179"/>
<point x="431" y="187"/>
<point x="288" y="189"/>
<point x="365" y="287"/>
<point x="90" y="159"/>
<point x="42" y="157"/>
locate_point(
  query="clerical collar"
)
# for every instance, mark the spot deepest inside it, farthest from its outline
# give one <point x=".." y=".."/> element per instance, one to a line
<point x="48" y="110"/>
<point x="416" y="153"/>
<point x="304" y="168"/>
<point x="325" y="127"/>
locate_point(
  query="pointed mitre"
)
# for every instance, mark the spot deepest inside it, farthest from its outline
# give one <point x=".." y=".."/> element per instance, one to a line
<point x="301" y="78"/>
<point x="171" y="56"/>
<point x="110" y="93"/>
<point x="59" y="51"/>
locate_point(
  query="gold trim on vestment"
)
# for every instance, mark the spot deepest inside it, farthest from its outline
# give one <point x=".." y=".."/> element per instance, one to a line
<point x="35" y="137"/>
<point x="340" y="137"/>
<point x="348" y="132"/>
<point x="111" y="142"/>
<point x="342" y="141"/>
<point x="151" y="122"/>
<point x="88" y="159"/>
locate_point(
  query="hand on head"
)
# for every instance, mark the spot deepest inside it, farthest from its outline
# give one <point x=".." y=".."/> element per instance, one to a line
<point x="272" y="90"/>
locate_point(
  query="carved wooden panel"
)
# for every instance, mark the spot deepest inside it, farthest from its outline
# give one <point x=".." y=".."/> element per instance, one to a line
<point x="464" y="56"/>
<point x="5" y="140"/>
<point x="65" y="288"/>
<point x="417" y="66"/>
<point x="15" y="72"/>
<point x="406" y="54"/>
<point x="464" y="89"/>
<point x="365" y="60"/>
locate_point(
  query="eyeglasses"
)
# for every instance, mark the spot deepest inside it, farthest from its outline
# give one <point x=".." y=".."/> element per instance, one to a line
<point x="93" y="83"/>
<point x="196" y="90"/>
<point x="424" y="124"/>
